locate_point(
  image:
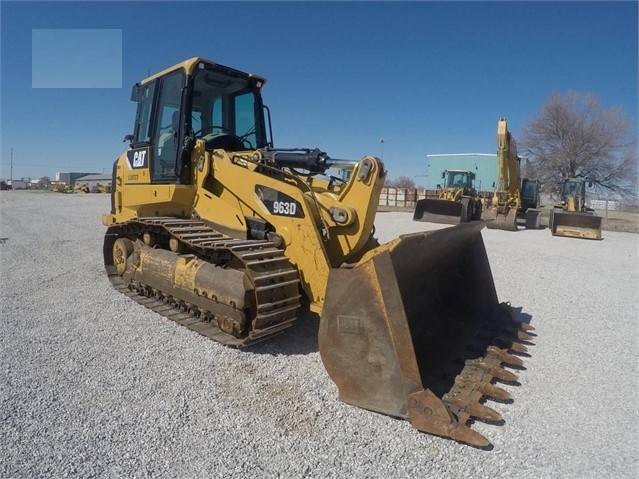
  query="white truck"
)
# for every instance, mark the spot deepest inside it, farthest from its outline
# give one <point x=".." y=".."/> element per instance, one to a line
<point x="18" y="185"/>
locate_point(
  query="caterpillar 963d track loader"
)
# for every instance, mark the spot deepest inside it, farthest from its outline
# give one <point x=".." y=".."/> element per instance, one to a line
<point x="214" y="228"/>
<point x="572" y="217"/>
<point x="457" y="202"/>
<point x="515" y="196"/>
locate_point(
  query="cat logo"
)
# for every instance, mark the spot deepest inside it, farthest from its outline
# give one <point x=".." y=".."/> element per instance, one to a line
<point x="137" y="158"/>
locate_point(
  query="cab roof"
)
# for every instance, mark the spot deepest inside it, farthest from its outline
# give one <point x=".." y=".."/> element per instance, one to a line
<point x="192" y="63"/>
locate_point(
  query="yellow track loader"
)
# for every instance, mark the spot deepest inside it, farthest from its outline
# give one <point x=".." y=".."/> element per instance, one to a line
<point x="457" y="202"/>
<point x="571" y="217"/>
<point x="62" y="188"/>
<point x="214" y="228"/>
<point x="515" y="196"/>
<point x="100" y="188"/>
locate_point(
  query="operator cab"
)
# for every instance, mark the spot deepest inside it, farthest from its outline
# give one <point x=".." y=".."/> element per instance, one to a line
<point x="459" y="179"/>
<point x="195" y="100"/>
<point x="573" y="187"/>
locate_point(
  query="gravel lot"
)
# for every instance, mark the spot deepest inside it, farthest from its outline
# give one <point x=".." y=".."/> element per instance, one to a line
<point x="94" y="385"/>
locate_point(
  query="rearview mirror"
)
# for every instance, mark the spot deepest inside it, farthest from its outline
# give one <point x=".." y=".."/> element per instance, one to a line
<point x="136" y="93"/>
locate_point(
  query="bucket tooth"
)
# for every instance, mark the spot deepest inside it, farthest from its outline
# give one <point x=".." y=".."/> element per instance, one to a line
<point x="495" y="392"/>
<point x="465" y="434"/>
<point x="504" y="356"/>
<point x="524" y="336"/>
<point x="520" y="348"/>
<point x="430" y="414"/>
<point x="479" y="379"/>
<point x="526" y="327"/>
<point x="494" y="369"/>
<point x="504" y="375"/>
<point x="483" y="413"/>
<point x="464" y="401"/>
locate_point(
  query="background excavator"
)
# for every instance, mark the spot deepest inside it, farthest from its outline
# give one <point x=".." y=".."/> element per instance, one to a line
<point x="457" y="202"/>
<point x="572" y="217"/>
<point x="217" y="230"/>
<point x="515" y="196"/>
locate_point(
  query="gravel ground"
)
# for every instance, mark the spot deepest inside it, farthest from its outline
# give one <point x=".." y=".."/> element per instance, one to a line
<point x="95" y="385"/>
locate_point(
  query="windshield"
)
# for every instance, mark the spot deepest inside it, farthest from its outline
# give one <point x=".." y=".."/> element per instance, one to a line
<point x="458" y="179"/>
<point x="226" y="111"/>
<point x="573" y="188"/>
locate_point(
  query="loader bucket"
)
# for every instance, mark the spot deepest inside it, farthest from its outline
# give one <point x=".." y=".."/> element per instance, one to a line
<point x="499" y="219"/>
<point x="415" y="331"/>
<point x="438" y="211"/>
<point x="576" y="225"/>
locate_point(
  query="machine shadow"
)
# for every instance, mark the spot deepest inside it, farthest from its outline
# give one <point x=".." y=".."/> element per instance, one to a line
<point x="301" y="338"/>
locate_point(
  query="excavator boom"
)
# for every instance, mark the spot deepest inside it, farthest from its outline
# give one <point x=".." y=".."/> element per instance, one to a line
<point x="508" y="201"/>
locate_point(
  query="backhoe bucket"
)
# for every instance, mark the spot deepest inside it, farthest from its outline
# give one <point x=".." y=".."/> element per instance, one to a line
<point x="415" y="331"/>
<point x="438" y="211"/>
<point x="576" y="225"/>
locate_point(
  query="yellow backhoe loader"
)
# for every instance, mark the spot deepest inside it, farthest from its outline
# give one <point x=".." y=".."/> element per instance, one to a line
<point x="457" y="202"/>
<point x="571" y="217"/>
<point x="214" y="228"/>
<point x="515" y="196"/>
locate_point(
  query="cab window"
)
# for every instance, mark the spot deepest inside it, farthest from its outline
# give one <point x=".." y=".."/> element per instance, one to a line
<point x="142" y="131"/>
<point x="230" y="116"/>
<point x="166" y="134"/>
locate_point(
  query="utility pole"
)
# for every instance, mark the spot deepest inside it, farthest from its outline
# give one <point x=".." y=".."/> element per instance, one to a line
<point x="381" y="140"/>
<point x="11" y="174"/>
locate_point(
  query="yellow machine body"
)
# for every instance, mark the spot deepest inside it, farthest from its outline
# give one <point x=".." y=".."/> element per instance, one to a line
<point x="572" y="218"/>
<point x="223" y="233"/>
<point x="508" y="200"/>
<point x="456" y="203"/>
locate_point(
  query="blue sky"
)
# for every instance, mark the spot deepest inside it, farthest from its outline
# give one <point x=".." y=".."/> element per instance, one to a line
<point x="427" y="77"/>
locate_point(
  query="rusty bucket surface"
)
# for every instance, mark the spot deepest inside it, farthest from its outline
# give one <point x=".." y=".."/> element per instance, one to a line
<point x="415" y="331"/>
<point x="438" y="211"/>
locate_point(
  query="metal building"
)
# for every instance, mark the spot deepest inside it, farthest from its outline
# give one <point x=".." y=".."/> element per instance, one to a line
<point x="69" y="178"/>
<point x="92" y="181"/>
<point x="484" y="165"/>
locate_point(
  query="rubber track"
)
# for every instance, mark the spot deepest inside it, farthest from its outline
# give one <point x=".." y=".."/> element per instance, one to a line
<point x="267" y="266"/>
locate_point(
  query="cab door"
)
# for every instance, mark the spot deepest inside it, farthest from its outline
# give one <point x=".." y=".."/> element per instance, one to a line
<point x="167" y="129"/>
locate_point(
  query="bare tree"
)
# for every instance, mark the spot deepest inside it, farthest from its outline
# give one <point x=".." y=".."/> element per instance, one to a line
<point x="401" y="182"/>
<point x="574" y="136"/>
